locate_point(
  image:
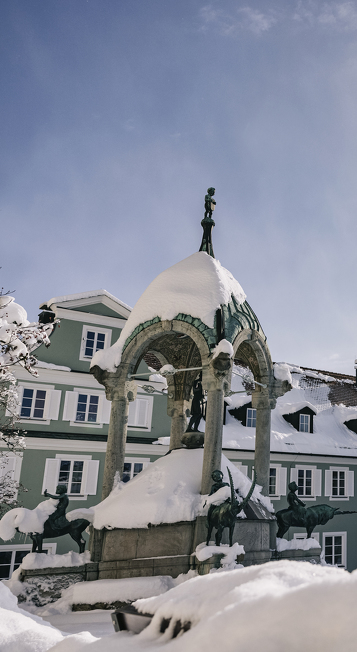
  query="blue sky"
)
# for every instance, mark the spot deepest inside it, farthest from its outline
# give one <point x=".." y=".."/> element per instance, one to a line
<point x="117" y="116"/>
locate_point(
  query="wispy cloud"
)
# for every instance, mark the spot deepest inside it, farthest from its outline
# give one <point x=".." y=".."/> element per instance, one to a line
<point x="230" y="23"/>
<point x="337" y="16"/>
<point x="331" y="15"/>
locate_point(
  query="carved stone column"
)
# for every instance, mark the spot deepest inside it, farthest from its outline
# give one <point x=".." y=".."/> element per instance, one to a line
<point x="178" y="411"/>
<point x="213" y="437"/>
<point x="262" y="405"/>
<point x="117" y="432"/>
<point x="215" y="380"/>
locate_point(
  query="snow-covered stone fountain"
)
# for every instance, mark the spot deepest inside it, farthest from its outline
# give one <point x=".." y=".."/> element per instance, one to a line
<point x="194" y="318"/>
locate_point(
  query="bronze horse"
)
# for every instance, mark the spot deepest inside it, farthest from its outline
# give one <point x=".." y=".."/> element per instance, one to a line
<point x="74" y="529"/>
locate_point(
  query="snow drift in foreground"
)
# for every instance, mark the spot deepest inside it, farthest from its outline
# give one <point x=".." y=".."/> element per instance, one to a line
<point x="196" y="286"/>
<point x="21" y="632"/>
<point x="274" y="607"/>
<point x="167" y="491"/>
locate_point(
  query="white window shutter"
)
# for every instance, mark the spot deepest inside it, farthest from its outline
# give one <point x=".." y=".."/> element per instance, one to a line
<point x="316" y="482"/>
<point x="7" y="465"/>
<point x="132" y="413"/>
<point x="293" y="475"/>
<point x="90" y="478"/>
<point x="328" y="483"/>
<point x="243" y="468"/>
<point x="282" y="480"/>
<point x="52" y="405"/>
<point x="142" y="412"/>
<point x="20" y="393"/>
<point x="50" y="478"/>
<point x="350" y="483"/>
<point x="70" y="406"/>
<point x="105" y="407"/>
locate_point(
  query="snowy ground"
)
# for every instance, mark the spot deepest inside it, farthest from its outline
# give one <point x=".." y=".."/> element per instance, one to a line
<point x="276" y="607"/>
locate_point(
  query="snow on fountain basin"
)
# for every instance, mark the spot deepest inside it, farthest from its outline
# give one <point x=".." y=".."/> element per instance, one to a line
<point x="167" y="491"/>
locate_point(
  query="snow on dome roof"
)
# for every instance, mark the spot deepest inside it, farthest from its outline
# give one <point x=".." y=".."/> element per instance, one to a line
<point x="196" y="286"/>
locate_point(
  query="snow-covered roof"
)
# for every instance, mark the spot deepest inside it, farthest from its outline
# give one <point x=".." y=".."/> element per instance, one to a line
<point x="86" y="298"/>
<point x="196" y="286"/>
<point x="319" y="391"/>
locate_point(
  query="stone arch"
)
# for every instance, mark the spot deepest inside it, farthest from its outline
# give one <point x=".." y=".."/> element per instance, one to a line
<point x="251" y="348"/>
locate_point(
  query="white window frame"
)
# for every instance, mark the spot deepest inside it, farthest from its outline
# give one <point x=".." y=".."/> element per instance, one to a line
<point x="71" y="404"/>
<point x="20" y="547"/>
<point x="252" y="418"/>
<point x="281" y="481"/>
<point x="349" y="483"/>
<point x="316" y="476"/>
<point x="308" y="416"/>
<point x="96" y="329"/>
<point x="52" y="403"/>
<point x="145" y="461"/>
<point x="89" y="485"/>
<point x="134" y="408"/>
<point x="344" y="546"/>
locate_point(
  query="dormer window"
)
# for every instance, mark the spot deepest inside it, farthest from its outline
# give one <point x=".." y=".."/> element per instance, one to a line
<point x="304" y="423"/>
<point x="94" y="339"/>
<point x="302" y="420"/>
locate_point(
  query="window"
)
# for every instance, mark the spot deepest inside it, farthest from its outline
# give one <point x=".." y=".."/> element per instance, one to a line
<point x="39" y="402"/>
<point x="11" y="557"/>
<point x="33" y="403"/>
<point x="71" y="474"/>
<point x="335" y="548"/>
<point x="251" y="417"/>
<point x="84" y="407"/>
<point x="133" y="466"/>
<point x="339" y="483"/>
<point x="93" y="340"/>
<point x="87" y="408"/>
<point x="140" y="413"/>
<point x="304" y="482"/>
<point x="308" y="480"/>
<point x="78" y="472"/>
<point x="304" y="423"/>
<point x="277" y="480"/>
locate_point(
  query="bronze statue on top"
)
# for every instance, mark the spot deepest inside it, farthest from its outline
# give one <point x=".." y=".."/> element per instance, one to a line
<point x="298" y="515"/>
<point x="207" y="223"/>
<point x="210" y="203"/>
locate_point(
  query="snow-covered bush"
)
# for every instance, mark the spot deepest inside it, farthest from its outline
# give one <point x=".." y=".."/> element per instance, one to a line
<point x="18" y="339"/>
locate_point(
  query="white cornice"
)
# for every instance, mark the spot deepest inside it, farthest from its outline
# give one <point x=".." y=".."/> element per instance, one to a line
<point x="58" y="377"/>
<point x="88" y="299"/>
<point x="88" y="317"/>
<point x="39" y="443"/>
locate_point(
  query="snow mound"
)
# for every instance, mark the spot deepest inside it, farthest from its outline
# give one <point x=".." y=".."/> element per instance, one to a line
<point x="43" y="560"/>
<point x="167" y="491"/>
<point x="21" y="631"/>
<point x="196" y="286"/>
<point x="274" y="607"/>
<point x="296" y="544"/>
